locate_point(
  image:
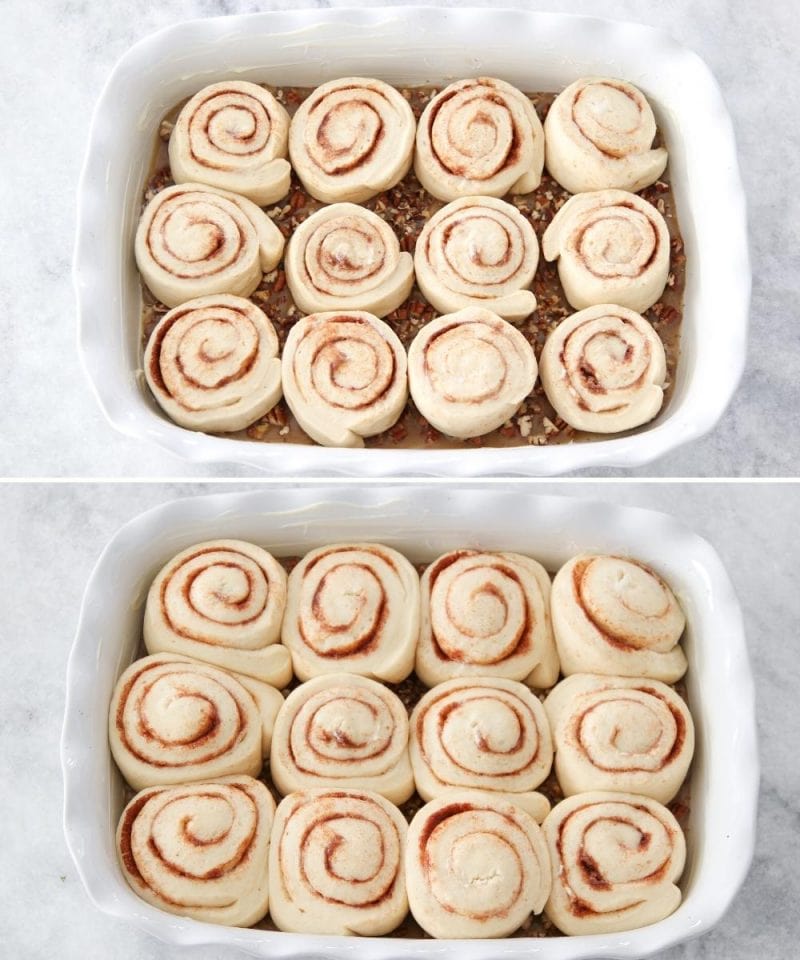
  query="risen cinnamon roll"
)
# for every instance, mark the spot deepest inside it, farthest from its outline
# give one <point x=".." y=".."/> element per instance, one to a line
<point x="479" y="137"/>
<point x="351" y="139"/>
<point x="478" y="251"/>
<point x="200" y="850"/>
<point x="484" y="734"/>
<point x="353" y="607"/>
<point x="612" y="247"/>
<point x="604" y="369"/>
<point x="336" y="864"/>
<point x="616" y="617"/>
<point x="476" y="866"/>
<point x="233" y="135"/>
<point x="175" y="720"/>
<point x="341" y="730"/>
<point x="486" y="615"/>
<point x="195" y="241"/>
<point x="212" y="364"/>
<point x="598" y="135"/>
<point x="345" y="257"/>
<point x="344" y="376"/>
<point x="469" y="372"/>
<point x="221" y="601"/>
<point x="615" y="858"/>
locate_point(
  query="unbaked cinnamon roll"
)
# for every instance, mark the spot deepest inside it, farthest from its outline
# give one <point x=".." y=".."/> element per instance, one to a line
<point x="336" y="864"/>
<point x="353" y="607"/>
<point x="351" y="139"/>
<point x="175" y="720"/>
<point x="345" y="257"/>
<point x="604" y="369"/>
<point x="486" y="615"/>
<point x="469" y="372"/>
<point x="212" y="364"/>
<point x="476" y="866"/>
<point x="615" y="858"/>
<point x="341" y="730"/>
<point x="344" y="376"/>
<point x="194" y="241"/>
<point x="221" y="601"/>
<point x="612" y="247"/>
<point x="486" y="734"/>
<point x="479" y="137"/>
<point x="598" y="135"/>
<point x="478" y="251"/>
<point x="233" y="135"/>
<point x="616" y="617"/>
<point x="200" y="850"/>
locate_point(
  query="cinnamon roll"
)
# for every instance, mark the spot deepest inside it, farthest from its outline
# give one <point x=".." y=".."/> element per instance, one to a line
<point x="351" y="139"/>
<point x="476" y="866"/>
<point x="604" y="369"/>
<point x="212" y="364"/>
<point x="611" y="247"/>
<point x="479" y="137"/>
<point x="469" y="372"/>
<point x="345" y="257"/>
<point x="620" y="733"/>
<point x="175" y="720"/>
<point x="233" y="135"/>
<point x="486" y="615"/>
<point x="344" y="376"/>
<point x="486" y="734"/>
<point x="478" y="251"/>
<point x="615" y="859"/>
<point x="194" y="241"/>
<point x="200" y="850"/>
<point x="341" y="730"/>
<point x="616" y="617"/>
<point x="353" y="607"/>
<point x="598" y="135"/>
<point x="221" y="601"/>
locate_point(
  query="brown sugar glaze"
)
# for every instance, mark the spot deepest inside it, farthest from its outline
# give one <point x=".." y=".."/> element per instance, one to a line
<point x="407" y="207"/>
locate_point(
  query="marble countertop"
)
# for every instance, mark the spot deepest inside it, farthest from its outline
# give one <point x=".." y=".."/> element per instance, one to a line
<point x="56" y="59"/>
<point x="54" y="534"/>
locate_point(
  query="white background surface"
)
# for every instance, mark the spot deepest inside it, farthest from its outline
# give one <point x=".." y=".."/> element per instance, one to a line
<point x="52" y="535"/>
<point x="57" y="56"/>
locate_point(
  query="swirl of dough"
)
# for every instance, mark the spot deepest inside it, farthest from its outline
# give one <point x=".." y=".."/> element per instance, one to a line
<point x="351" y="139"/>
<point x="485" y="734"/>
<point x="476" y="866"/>
<point x="344" y="376"/>
<point x="620" y="733"/>
<point x="200" y="850"/>
<point x="615" y="858"/>
<point x="212" y="364"/>
<point x="598" y="136"/>
<point x="175" y="720"/>
<point x="345" y="257"/>
<point x="486" y="615"/>
<point x="194" y="241"/>
<point x="469" y="371"/>
<point x="353" y="607"/>
<point x="612" y="247"/>
<point x="342" y="730"/>
<point x="604" y="369"/>
<point x="222" y="602"/>
<point x="479" y="137"/>
<point x="336" y="864"/>
<point x="233" y="135"/>
<point x="478" y="251"/>
<point x="616" y="617"/>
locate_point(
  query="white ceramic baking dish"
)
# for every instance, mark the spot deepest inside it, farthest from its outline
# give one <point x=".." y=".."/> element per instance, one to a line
<point x="410" y="45"/>
<point x="422" y="522"/>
